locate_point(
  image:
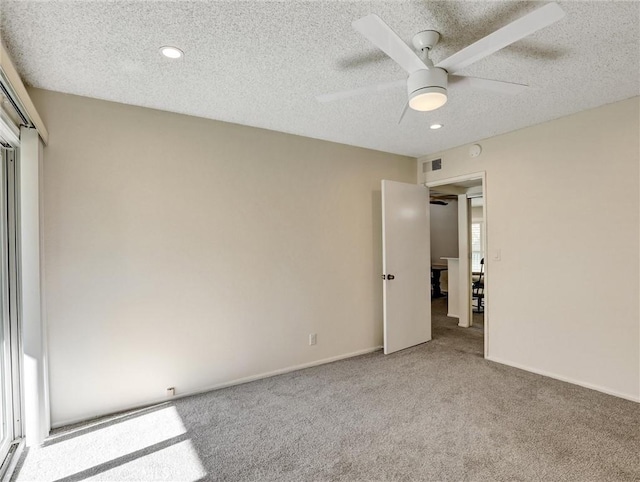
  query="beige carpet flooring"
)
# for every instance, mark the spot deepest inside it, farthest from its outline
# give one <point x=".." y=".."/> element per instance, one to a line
<point x="435" y="412"/>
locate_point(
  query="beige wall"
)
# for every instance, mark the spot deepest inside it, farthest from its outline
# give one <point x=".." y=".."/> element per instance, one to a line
<point x="186" y="252"/>
<point x="477" y="214"/>
<point x="562" y="206"/>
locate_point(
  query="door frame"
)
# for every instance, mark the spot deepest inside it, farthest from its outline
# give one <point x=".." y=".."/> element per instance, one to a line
<point x="482" y="176"/>
<point x="10" y="273"/>
<point x="15" y="287"/>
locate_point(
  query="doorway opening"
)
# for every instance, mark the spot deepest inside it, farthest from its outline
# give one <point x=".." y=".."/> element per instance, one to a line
<point x="458" y="268"/>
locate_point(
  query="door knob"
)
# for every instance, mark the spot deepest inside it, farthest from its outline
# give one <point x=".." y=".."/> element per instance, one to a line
<point x="390" y="277"/>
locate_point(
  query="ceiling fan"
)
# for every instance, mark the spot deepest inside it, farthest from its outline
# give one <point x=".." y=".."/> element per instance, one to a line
<point x="427" y="83"/>
<point x="442" y="199"/>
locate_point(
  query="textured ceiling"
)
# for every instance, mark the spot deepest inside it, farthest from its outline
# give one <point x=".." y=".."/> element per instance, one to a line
<point x="262" y="63"/>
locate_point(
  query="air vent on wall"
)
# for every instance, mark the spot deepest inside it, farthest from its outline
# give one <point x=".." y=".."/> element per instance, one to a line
<point x="431" y="165"/>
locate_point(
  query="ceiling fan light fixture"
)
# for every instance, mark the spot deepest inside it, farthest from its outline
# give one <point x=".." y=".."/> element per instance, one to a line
<point x="427" y="89"/>
<point x="429" y="98"/>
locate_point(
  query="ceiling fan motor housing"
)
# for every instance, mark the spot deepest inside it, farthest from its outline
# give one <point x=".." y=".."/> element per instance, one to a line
<point x="427" y="89"/>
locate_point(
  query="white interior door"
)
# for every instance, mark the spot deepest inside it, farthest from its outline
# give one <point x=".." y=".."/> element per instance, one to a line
<point x="406" y="265"/>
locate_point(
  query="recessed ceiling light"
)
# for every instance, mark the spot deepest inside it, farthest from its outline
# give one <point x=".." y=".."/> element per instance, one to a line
<point x="171" y="52"/>
<point x="435" y="126"/>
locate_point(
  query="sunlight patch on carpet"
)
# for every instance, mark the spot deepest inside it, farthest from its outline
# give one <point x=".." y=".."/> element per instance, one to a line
<point x="112" y="446"/>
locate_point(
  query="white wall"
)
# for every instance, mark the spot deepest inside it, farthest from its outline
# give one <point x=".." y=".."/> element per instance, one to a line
<point x="444" y="231"/>
<point x="562" y="205"/>
<point x="186" y="252"/>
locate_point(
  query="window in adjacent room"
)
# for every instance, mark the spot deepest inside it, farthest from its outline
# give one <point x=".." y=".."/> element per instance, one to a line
<point x="477" y="246"/>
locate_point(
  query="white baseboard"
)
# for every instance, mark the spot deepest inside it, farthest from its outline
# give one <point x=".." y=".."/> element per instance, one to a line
<point x="218" y="386"/>
<point x="591" y="386"/>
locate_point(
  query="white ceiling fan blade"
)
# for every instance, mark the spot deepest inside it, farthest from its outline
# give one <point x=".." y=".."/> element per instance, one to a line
<point x="521" y="28"/>
<point x="404" y="111"/>
<point x="380" y="34"/>
<point x="369" y="89"/>
<point x="487" y="84"/>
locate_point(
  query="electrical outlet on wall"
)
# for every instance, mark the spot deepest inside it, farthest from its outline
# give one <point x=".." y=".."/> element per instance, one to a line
<point x="313" y="339"/>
